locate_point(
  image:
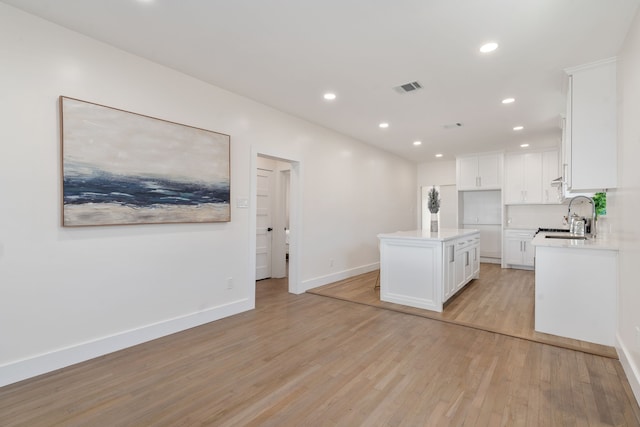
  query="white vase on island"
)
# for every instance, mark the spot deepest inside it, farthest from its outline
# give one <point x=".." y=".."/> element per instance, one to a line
<point x="434" y="222"/>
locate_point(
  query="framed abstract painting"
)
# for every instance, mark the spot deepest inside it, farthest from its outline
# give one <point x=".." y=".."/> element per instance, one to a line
<point x="120" y="167"/>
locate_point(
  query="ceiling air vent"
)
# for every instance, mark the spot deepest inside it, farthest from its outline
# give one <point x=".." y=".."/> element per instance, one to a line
<point x="408" y="87"/>
<point x="452" y="125"/>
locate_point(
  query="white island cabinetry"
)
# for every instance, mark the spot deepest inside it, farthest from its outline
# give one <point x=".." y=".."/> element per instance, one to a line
<point x="422" y="269"/>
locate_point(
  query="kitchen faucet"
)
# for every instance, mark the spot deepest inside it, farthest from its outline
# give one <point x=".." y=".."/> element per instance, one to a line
<point x="593" y="212"/>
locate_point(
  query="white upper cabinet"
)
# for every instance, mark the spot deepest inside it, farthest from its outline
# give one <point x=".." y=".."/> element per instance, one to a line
<point x="523" y="178"/>
<point x="480" y="172"/>
<point x="528" y="178"/>
<point x="590" y="137"/>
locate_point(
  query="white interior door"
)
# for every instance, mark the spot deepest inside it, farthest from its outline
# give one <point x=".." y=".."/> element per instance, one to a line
<point x="263" y="224"/>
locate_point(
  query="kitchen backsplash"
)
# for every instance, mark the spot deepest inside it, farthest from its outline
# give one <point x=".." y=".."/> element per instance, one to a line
<point x="534" y="216"/>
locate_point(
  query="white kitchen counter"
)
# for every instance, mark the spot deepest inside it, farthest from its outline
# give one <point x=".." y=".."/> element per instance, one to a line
<point x="576" y="287"/>
<point x="607" y="242"/>
<point x="423" y="269"/>
<point x="441" y="235"/>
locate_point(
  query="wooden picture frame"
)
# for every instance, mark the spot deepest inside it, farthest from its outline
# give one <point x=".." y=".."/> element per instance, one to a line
<point x="120" y="167"/>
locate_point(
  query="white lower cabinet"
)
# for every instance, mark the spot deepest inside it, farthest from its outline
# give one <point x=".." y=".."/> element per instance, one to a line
<point x="467" y="261"/>
<point x="449" y="269"/>
<point x="518" y="250"/>
<point x="575" y="292"/>
<point x="475" y="259"/>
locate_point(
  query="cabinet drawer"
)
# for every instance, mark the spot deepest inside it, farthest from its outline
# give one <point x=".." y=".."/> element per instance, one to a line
<point x="464" y="244"/>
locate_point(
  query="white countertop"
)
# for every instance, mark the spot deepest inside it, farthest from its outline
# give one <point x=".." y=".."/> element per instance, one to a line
<point x="608" y="242"/>
<point x="441" y="235"/>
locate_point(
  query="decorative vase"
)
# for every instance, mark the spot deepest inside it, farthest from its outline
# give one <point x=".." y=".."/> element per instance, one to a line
<point x="434" y="222"/>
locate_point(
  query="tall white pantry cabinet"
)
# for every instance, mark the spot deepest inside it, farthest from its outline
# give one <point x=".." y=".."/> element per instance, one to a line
<point x="479" y="183"/>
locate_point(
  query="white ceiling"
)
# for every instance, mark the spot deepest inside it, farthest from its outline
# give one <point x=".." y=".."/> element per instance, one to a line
<point x="287" y="53"/>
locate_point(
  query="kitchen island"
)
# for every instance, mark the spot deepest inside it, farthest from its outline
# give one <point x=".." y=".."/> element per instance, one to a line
<point x="576" y="287"/>
<point x="422" y="269"/>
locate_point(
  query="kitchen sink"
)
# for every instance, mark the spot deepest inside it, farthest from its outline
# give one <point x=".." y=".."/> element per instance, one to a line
<point x="566" y="237"/>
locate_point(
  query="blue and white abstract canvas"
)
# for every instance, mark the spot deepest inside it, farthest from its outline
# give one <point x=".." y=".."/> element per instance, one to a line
<point x="126" y="168"/>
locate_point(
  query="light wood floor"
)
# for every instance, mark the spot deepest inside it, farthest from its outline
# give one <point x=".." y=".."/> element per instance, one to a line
<point x="501" y="301"/>
<point x="308" y="360"/>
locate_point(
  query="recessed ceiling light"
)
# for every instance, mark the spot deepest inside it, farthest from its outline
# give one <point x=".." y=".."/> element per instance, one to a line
<point x="329" y="96"/>
<point x="417" y="142"/>
<point x="488" y="47"/>
<point x="524" y="145"/>
<point x="438" y="155"/>
<point x="518" y="128"/>
<point x="508" y="100"/>
<point x="383" y="125"/>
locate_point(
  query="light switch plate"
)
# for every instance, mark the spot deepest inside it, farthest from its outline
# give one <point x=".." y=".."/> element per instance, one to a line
<point x="242" y="202"/>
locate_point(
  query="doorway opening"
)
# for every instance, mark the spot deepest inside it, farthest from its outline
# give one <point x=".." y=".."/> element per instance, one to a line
<point x="272" y="218"/>
<point x="275" y="220"/>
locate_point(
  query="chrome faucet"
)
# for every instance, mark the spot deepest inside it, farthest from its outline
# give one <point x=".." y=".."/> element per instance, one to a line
<point x="593" y="212"/>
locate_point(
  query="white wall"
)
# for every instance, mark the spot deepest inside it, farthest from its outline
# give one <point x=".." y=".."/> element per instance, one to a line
<point x="437" y="173"/>
<point x="624" y="206"/>
<point x="68" y="294"/>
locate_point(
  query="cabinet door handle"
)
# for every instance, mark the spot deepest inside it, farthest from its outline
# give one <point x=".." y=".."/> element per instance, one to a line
<point x="479" y="181"/>
<point x="452" y="257"/>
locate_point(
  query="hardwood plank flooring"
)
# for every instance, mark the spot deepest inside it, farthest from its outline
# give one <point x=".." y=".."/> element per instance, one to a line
<point x="307" y="360"/>
<point x="500" y="301"/>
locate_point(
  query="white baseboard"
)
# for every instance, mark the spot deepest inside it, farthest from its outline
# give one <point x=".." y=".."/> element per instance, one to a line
<point x="630" y="368"/>
<point x="61" y="358"/>
<point x="340" y="275"/>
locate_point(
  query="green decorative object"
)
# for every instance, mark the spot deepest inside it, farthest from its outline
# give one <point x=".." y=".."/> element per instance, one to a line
<point x="600" y="200"/>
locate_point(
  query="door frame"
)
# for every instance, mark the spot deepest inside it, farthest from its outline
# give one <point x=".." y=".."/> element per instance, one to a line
<point x="295" y="222"/>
